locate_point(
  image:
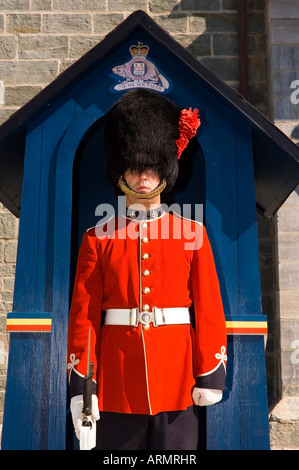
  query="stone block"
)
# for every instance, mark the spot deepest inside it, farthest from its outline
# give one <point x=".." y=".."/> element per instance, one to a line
<point x="7" y="296"/>
<point x="199" y="46"/>
<point x="8" y="226"/>
<point x="7" y="270"/>
<point x="43" y="47"/>
<point x="289" y="367"/>
<point x="127" y="5"/>
<point x="230" y="4"/>
<point x="67" y="23"/>
<point x="159" y="6"/>
<point x="256" y="22"/>
<point x="200" y="5"/>
<point x="225" y="68"/>
<point x="215" y="23"/>
<point x="29" y="72"/>
<point x="290" y="391"/>
<point x="173" y="23"/>
<point x="79" y="5"/>
<point x="284" y="31"/>
<point x="79" y="45"/>
<point x="282" y="80"/>
<point x="10" y="251"/>
<point x="288" y="247"/>
<point x="283" y="109"/>
<point x="8" y="283"/>
<point x="41" y="5"/>
<point x="283" y="9"/>
<point x="289" y="334"/>
<point x="289" y="276"/>
<point x="10" y="5"/>
<point x="284" y="435"/>
<point x="105" y="23"/>
<point x="289" y="304"/>
<point x="225" y="44"/>
<point x="20" y="95"/>
<point x="8" y="47"/>
<point x="65" y="64"/>
<point x="18" y="23"/>
<point x="282" y="57"/>
<point x="257" y="5"/>
<point x="288" y="219"/>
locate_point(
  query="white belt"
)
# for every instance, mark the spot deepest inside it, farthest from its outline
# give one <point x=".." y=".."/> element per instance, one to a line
<point x="158" y="316"/>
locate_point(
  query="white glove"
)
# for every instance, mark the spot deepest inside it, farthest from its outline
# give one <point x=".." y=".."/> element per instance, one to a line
<point x="206" y="396"/>
<point x="77" y="415"/>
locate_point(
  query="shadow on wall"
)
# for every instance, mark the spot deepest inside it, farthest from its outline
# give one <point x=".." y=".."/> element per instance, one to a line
<point x="203" y="25"/>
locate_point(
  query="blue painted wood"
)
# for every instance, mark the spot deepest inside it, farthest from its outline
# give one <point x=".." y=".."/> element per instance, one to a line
<point x="22" y="351"/>
<point x="26" y="268"/>
<point x="45" y="315"/>
<point x="217" y="138"/>
<point x="242" y="416"/>
<point x="221" y="177"/>
<point x="32" y="286"/>
<point x="252" y="372"/>
<point x="61" y="274"/>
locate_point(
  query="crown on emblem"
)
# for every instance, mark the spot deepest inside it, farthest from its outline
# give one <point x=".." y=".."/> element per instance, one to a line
<point x="141" y="50"/>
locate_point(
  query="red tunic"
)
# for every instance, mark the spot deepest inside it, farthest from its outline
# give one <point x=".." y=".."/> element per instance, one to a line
<point x="154" y="370"/>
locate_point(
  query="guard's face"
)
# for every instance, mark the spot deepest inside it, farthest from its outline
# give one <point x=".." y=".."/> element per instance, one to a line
<point x="143" y="182"/>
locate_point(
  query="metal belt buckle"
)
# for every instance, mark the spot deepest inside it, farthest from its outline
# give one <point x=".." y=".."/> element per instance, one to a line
<point x="145" y="318"/>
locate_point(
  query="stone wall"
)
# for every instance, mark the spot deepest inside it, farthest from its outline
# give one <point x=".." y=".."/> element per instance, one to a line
<point x="41" y="38"/>
<point x="282" y="22"/>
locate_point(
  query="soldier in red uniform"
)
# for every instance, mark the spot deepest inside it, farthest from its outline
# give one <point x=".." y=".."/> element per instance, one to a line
<point x="138" y="278"/>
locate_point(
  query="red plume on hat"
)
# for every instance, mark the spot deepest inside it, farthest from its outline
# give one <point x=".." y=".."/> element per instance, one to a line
<point x="188" y="125"/>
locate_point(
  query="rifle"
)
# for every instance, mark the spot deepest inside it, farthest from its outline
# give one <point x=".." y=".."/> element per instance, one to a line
<point x="88" y="429"/>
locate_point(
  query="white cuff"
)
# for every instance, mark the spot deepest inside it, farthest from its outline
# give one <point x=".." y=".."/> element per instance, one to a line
<point x="206" y="396"/>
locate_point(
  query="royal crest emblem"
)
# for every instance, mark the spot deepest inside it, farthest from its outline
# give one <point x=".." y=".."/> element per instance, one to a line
<point x="138" y="72"/>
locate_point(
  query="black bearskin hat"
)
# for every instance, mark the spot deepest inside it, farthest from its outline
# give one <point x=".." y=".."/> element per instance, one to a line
<point x="141" y="130"/>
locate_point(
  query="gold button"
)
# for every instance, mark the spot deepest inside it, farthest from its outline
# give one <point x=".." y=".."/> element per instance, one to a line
<point x="145" y="307"/>
<point x="144" y="240"/>
<point x="146" y="273"/>
<point x="146" y="290"/>
<point x="144" y="225"/>
<point x="146" y="327"/>
<point x="145" y="256"/>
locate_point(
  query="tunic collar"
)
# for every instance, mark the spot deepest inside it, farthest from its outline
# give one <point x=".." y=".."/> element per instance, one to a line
<point x="152" y="214"/>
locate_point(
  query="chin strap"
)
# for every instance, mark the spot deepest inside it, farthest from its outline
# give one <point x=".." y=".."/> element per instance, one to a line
<point x="129" y="192"/>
